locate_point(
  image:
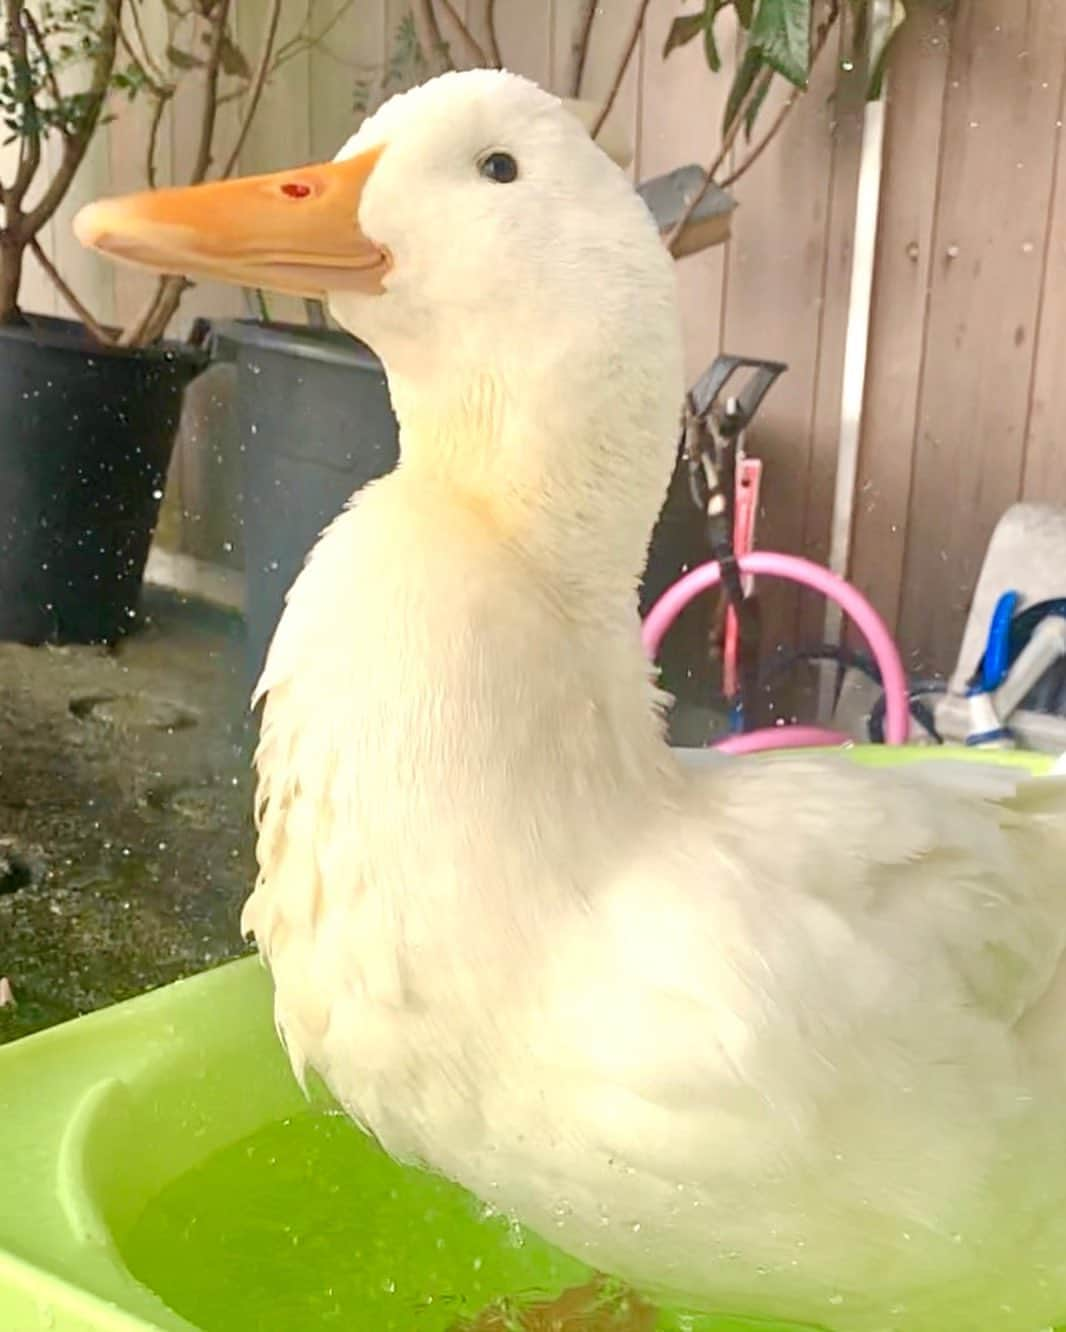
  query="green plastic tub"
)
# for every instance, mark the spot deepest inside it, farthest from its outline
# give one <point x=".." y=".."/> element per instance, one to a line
<point x="159" y="1169"/>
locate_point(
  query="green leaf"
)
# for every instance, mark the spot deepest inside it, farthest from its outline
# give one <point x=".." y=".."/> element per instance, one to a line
<point x="745" y="76"/>
<point x="879" y="51"/>
<point x="745" y="11"/>
<point x="182" y="59"/>
<point x="755" y="106"/>
<point x="682" y="31"/>
<point x="781" y="31"/>
<point x="710" y="46"/>
<point x="232" y="58"/>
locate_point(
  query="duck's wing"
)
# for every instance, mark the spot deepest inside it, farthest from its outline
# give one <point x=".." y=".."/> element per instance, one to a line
<point x="818" y="926"/>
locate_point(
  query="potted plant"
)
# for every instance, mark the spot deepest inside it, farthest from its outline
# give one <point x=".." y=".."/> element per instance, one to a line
<point x="90" y="412"/>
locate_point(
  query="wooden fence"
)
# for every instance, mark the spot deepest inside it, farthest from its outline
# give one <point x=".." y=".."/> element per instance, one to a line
<point x="966" y="383"/>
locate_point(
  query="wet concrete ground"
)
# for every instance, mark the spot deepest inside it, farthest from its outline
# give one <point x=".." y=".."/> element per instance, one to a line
<point x="125" y="812"/>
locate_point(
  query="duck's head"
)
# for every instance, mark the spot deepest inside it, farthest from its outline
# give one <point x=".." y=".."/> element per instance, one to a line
<point x="503" y="268"/>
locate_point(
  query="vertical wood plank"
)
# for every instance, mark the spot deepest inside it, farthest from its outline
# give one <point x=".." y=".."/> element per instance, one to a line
<point x="398" y="17"/>
<point x="567" y="15"/>
<point x="681" y="106"/>
<point x="1044" y="477"/>
<point x="999" y="146"/>
<point x="280" y="135"/>
<point x="459" y="49"/>
<point x="352" y="46"/>
<point x="127" y="141"/>
<point x="476" y="14"/>
<point x="849" y="107"/>
<point x="90" y="276"/>
<point x="281" y="130"/>
<point x="902" y="276"/>
<point x="681" y="110"/>
<point x="611" y="30"/>
<point x="204" y="298"/>
<point x="526" y="33"/>
<point x="776" y="272"/>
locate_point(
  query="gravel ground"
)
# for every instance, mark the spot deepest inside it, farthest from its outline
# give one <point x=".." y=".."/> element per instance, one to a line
<point x="125" y="824"/>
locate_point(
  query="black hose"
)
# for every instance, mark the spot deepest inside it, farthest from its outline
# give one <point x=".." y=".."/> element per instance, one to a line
<point x="852" y="659"/>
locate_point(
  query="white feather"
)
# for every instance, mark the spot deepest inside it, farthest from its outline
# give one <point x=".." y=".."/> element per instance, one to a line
<point x="777" y="1036"/>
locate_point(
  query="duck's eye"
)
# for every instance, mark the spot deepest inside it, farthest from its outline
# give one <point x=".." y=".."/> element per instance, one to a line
<point x="499" y="167"/>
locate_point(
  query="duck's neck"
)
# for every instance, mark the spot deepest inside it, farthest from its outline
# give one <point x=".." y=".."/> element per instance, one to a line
<point x="491" y="701"/>
<point x="569" y="474"/>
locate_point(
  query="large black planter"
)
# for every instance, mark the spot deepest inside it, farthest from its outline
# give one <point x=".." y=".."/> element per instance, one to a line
<point x="316" y="424"/>
<point x="86" y="435"/>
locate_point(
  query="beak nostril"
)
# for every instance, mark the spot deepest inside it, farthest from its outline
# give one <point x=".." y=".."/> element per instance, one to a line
<point x="296" y="189"/>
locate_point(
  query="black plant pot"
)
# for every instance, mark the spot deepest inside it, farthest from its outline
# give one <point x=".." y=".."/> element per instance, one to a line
<point x="316" y="424"/>
<point x="86" y="434"/>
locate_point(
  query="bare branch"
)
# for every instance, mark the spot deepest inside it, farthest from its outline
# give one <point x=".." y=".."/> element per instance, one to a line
<point x="255" y="88"/>
<point x="304" y="41"/>
<point x="158" y="111"/>
<point x="163" y="88"/>
<point x="85" y="315"/>
<point x="158" y="311"/>
<point x="494" y="41"/>
<point x="76" y="141"/>
<point x="755" y="92"/>
<point x="163" y="303"/>
<point x="471" y="43"/>
<point x="146" y="61"/>
<point x="28" y="163"/>
<point x="579" y="46"/>
<point x="430" y="37"/>
<point x="627" y="56"/>
<point x="764" y="143"/>
<point x="209" y="110"/>
<point x="29" y="159"/>
<point x="135" y="58"/>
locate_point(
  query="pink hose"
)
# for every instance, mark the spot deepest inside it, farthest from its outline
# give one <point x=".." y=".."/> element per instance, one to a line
<point x="796" y="570"/>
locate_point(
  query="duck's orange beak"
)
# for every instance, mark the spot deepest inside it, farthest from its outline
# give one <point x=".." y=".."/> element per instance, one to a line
<point x="292" y="231"/>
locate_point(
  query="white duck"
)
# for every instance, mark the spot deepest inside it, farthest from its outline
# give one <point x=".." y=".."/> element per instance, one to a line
<point x="783" y="1037"/>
